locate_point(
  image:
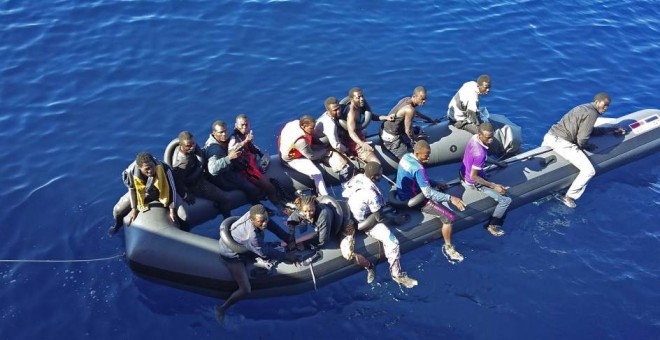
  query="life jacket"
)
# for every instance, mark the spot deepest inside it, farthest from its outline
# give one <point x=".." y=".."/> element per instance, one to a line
<point x="289" y="135"/>
<point x="160" y="182"/>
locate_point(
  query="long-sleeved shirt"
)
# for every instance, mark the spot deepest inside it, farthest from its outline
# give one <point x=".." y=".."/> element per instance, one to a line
<point x="577" y="125"/>
<point x="245" y="233"/>
<point x="323" y="219"/>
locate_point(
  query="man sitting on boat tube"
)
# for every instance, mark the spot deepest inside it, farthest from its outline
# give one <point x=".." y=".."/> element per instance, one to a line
<point x="188" y="169"/>
<point x="397" y="135"/>
<point x="474" y="177"/>
<point x="353" y="135"/>
<point x="295" y="146"/>
<point x="366" y="203"/>
<point x="464" y="112"/>
<point x="326" y="127"/>
<point x="148" y="180"/>
<point x="248" y="231"/>
<point x="411" y="180"/>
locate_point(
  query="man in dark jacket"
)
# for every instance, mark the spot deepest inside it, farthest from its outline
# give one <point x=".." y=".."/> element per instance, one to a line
<point x="570" y="136"/>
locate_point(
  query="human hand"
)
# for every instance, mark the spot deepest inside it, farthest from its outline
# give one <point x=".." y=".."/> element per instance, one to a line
<point x="234" y="153"/>
<point x="500" y="189"/>
<point x="189" y="198"/>
<point x="589" y="147"/>
<point x="249" y="137"/>
<point x="173" y="217"/>
<point x="132" y="216"/>
<point x="366" y="146"/>
<point x="458" y="203"/>
<point x="619" y="131"/>
<point x="291" y="257"/>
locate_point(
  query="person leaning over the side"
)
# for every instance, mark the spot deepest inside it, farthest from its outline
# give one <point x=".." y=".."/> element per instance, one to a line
<point x="248" y="231"/>
<point x="474" y="177"/>
<point x="411" y="179"/>
<point x="570" y="136"/>
<point x="148" y="180"/>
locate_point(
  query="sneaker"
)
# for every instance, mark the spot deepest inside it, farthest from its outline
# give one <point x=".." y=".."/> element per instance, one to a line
<point x="405" y="281"/>
<point x="451" y="253"/>
<point x="495" y="230"/>
<point x="371" y="275"/>
<point x="569" y="202"/>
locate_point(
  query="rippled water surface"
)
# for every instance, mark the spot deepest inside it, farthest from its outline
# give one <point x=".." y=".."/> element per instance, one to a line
<point x="86" y="85"/>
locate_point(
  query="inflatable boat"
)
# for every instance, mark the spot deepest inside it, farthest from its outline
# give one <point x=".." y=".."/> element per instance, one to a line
<point x="158" y="250"/>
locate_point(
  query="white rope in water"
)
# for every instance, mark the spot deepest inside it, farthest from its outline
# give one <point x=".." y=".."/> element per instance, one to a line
<point x="65" y="261"/>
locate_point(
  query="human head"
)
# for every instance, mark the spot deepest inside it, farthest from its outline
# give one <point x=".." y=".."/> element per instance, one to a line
<point x="483" y="83"/>
<point x="307" y="123"/>
<point x="422" y="151"/>
<point x="259" y="216"/>
<point x="306" y="206"/>
<point x="486" y="133"/>
<point x="242" y="123"/>
<point x="332" y="106"/>
<point x="356" y="97"/>
<point x="145" y="162"/>
<point x="373" y="171"/>
<point x="186" y="142"/>
<point x="602" y="102"/>
<point x="419" y="96"/>
<point x="219" y="131"/>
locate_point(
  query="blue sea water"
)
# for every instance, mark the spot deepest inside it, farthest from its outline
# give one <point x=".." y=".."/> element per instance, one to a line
<point x="85" y="85"/>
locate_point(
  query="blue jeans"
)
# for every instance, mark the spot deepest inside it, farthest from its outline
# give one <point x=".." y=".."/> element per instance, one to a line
<point x="503" y="203"/>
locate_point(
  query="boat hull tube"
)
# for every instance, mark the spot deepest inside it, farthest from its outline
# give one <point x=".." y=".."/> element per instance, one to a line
<point x="158" y="250"/>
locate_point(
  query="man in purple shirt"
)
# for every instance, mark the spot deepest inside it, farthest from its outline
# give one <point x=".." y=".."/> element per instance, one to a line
<point x="474" y="177"/>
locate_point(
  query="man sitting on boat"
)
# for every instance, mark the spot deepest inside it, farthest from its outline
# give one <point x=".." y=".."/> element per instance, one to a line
<point x="397" y="135"/>
<point x="148" y="181"/>
<point x="188" y="172"/>
<point x="246" y="163"/>
<point x="366" y="203"/>
<point x="411" y="180"/>
<point x="464" y="113"/>
<point x="219" y="165"/>
<point x="474" y="177"/>
<point x="248" y="232"/>
<point x="571" y="135"/>
<point x="295" y="146"/>
<point x="326" y="127"/>
<point x="353" y="135"/>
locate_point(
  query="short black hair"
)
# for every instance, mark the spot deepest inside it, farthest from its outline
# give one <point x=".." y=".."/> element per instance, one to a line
<point x="185" y="136"/>
<point x="306" y="120"/>
<point x="486" y="126"/>
<point x="329" y="101"/>
<point x="218" y="123"/>
<point x="258" y="209"/>
<point x="602" y="96"/>
<point x="484" y="78"/>
<point x="418" y="90"/>
<point x="144" y="158"/>
<point x="421" y="145"/>
<point x="353" y="90"/>
<point x="372" y="169"/>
